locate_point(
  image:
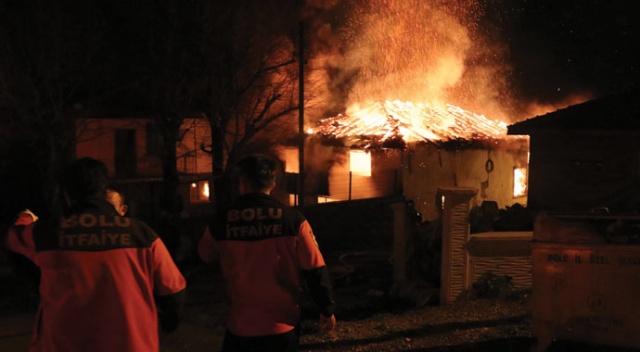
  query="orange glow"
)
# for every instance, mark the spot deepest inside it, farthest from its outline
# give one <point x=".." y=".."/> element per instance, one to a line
<point x="205" y="189"/>
<point x="413" y="122"/>
<point x="519" y="181"/>
<point x="323" y="199"/>
<point x="360" y="163"/>
<point x="199" y="192"/>
<point x="291" y="160"/>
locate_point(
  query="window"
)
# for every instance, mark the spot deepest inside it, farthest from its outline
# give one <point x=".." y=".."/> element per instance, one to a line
<point x="199" y="192"/>
<point x="291" y="160"/>
<point x="519" y="182"/>
<point x="360" y="162"/>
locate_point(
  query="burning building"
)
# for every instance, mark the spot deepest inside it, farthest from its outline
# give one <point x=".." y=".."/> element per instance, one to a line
<point x="398" y="71"/>
<point x="397" y="148"/>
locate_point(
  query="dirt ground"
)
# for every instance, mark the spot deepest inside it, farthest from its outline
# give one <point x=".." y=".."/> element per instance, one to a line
<point x="369" y="319"/>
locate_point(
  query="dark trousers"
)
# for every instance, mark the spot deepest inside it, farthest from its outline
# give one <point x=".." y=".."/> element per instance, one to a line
<point x="287" y="342"/>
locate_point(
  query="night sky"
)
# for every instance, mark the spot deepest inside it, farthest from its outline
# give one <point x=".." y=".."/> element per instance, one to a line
<point x="549" y="53"/>
<point x="562" y="47"/>
<point x="556" y="48"/>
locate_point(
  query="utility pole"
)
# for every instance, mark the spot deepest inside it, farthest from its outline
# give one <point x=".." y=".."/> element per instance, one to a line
<point x="301" y="131"/>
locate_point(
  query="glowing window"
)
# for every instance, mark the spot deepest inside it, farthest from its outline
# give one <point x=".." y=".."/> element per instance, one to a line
<point x="291" y="160"/>
<point x="360" y="162"/>
<point x="199" y="192"/>
<point x="325" y="199"/>
<point x="293" y="199"/>
<point x="519" y="181"/>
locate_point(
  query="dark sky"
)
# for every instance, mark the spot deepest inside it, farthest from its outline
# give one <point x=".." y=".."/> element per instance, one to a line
<point x="562" y="47"/>
<point x="557" y="51"/>
<point x="556" y="47"/>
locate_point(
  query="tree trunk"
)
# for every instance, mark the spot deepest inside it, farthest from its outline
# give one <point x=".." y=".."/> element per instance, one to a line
<point x="170" y="202"/>
<point x="221" y="182"/>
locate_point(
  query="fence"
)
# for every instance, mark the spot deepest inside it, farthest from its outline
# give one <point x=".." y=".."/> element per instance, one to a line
<point x="466" y="257"/>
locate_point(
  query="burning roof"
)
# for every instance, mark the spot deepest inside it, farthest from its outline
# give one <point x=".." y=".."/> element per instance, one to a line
<point x="396" y="123"/>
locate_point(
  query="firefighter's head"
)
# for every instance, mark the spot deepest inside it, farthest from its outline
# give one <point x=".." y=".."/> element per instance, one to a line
<point x="86" y="178"/>
<point x="256" y="173"/>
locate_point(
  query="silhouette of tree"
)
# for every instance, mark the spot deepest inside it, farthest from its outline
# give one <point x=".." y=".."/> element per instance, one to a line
<point x="48" y="49"/>
<point x="249" y="79"/>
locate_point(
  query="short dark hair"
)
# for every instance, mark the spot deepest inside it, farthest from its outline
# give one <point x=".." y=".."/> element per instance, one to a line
<point x="258" y="169"/>
<point x="87" y="177"/>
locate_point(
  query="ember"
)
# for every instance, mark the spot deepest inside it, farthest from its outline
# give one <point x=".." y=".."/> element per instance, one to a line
<point x="405" y="64"/>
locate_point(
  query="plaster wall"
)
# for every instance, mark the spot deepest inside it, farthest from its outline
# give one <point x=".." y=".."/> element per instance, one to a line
<point x="490" y="172"/>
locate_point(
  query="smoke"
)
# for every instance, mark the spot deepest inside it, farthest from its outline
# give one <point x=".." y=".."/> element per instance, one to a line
<point x="407" y="50"/>
<point x="541" y="108"/>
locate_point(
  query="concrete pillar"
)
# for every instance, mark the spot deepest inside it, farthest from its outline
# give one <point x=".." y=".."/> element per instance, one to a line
<point x="455" y="205"/>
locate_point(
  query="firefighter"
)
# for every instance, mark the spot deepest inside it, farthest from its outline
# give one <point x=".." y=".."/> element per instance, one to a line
<point x="263" y="249"/>
<point x="99" y="273"/>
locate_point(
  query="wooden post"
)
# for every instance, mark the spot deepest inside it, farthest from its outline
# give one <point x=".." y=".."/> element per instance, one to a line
<point x="301" y="131"/>
<point x="399" y="244"/>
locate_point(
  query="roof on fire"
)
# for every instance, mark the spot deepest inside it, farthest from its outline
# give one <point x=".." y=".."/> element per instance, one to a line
<point x="617" y="112"/>
<point x="395" y="123"/>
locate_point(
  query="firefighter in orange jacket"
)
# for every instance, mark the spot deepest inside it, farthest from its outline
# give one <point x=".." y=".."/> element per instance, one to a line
<point x="264" y="248"/>
<point x="104" y="276"/>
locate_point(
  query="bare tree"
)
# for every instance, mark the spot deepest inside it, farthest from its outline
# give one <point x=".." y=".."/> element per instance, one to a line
<point x="233" y="62"/>
<point x="249" y="79"/>
<point x="171" y="73"/>
<point x="48" y="48"/>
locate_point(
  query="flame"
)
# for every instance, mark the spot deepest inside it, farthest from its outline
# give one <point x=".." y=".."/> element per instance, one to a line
<point x="360" y="162"/>
<point x="519" y="182"/>
<point x="412" y="122"/>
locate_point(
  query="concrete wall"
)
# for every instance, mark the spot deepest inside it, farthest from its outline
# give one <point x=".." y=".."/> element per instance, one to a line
<point x="425" y="168"/>
<point x="96" y="138"/>
<point x="419" y="170"/>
